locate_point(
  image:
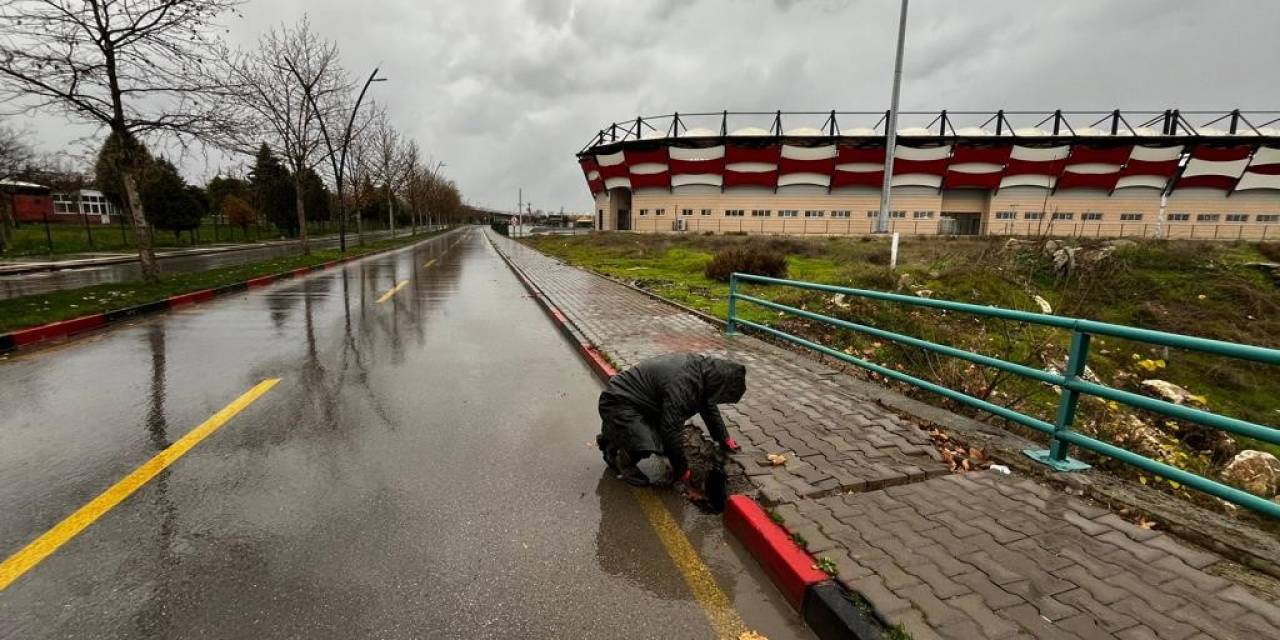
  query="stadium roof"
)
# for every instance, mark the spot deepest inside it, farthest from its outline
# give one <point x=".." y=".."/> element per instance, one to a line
<point x="942" y="125"/>
<point x="1224" y="150"/>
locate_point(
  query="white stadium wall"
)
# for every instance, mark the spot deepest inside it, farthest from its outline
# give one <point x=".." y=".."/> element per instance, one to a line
<point x="1135" y="182"/>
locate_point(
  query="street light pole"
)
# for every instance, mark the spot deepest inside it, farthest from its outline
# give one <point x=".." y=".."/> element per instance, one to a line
<point x="891" y="129"/>
<point x="339" y="164"/>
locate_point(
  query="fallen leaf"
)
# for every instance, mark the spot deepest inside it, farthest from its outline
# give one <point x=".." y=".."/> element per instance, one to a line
<point x="776" y="459"/>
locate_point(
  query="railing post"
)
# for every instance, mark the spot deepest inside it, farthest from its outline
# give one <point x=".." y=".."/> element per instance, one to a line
<point x="1056" y="455"/>
<point x="729" y="327"/>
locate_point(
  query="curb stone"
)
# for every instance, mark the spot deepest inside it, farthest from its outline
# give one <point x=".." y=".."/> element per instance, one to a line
<point x="822" y="603"/>
<point x="28" y="336"/>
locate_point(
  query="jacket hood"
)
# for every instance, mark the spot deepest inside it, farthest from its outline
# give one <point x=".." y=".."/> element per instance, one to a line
<point x="725" y="380"/>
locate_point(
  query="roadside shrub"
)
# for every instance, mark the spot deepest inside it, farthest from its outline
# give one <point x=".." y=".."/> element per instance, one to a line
<point x="1271" y="250"/>
<point x="760" y="262"/>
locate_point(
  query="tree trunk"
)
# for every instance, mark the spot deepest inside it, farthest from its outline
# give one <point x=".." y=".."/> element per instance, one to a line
<point x="302" y="213"/>
<point x="141" y="234"/>
<point x="7" y="224"/>
<point x="391" y="213"/>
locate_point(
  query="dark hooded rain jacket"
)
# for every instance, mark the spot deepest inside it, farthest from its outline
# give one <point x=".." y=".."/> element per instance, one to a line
<point x="645" y="407"/>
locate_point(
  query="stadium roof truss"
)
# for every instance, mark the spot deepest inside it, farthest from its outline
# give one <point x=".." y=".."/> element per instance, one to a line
<point x="1229" y="151"/>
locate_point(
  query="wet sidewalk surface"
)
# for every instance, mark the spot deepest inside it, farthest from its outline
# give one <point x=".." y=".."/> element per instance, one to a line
<point x="978" y="555"/>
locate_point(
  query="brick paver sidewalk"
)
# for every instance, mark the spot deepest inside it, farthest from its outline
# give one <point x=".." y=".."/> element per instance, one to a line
<point x="977" y="555"/>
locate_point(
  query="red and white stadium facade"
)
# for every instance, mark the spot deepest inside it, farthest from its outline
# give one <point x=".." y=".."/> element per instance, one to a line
<point x="1124" y="174"/>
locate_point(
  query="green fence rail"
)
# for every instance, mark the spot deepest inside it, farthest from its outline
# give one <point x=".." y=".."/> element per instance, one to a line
<point x="1069" y="381"/>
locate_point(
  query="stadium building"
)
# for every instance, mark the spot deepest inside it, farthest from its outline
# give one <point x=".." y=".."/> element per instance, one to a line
<point x="1167" y="174"/>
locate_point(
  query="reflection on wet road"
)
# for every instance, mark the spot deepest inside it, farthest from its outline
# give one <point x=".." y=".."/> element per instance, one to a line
<point x="23" y="284"/>
<point x="424" y="468"/>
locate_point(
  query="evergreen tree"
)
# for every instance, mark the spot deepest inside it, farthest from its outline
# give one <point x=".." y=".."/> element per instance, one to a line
<point x="108" y="175"/>
<point x="315" y="197"/>
<point x="273" y="192"/>
<point x="169" y="203"/>
<point x="219" y="188"/>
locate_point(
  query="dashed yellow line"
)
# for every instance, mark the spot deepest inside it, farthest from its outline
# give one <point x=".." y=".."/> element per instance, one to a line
<point x="387" y="296"/>
<point x="715" y="604"/>
<point x="40" y="548"/>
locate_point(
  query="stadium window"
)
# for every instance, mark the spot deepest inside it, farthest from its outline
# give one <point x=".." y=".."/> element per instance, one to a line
<point x="897" y="214"/>
<point x="1006" y="215"/>
<point x="788" y="213"/>
<point x="706" y="212"/>
<point x="1091" y="215"/>
<point x="873" y="214"/>
<point x="686" y="212"/>
<point x="733" y="213"/>
<point x="1032" y="215"/>
<point x="1063" y="215"/>
<point x="761" y="213"/>
<point x="659" y="212"/>
<point x="1130" y="217"/>
<point x="1179" y="217"/>
<point x="921" y="214"/>
<point x="644" y="212"/>
<point x="1267" y="217"/>
<point x="813" y="214"/>
<point x="840" y="214"/>
<point x="1237" y="217"/>
<point x="1207" y="217"/>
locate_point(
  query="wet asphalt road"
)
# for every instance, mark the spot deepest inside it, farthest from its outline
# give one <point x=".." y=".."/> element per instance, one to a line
<point x="423" y="469"/>
<point x="24" y="284"/>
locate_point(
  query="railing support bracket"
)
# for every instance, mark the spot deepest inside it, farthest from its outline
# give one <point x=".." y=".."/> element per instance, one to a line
<point x="1066" y="464"/>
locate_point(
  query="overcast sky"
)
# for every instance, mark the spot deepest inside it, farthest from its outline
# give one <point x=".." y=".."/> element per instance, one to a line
<point x="506" y="91"/>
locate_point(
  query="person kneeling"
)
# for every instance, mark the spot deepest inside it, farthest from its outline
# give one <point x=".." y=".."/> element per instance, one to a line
<point x="644" y="408"/>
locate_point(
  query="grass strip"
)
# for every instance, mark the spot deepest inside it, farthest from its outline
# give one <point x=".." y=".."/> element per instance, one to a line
<point x="38" y="309"/>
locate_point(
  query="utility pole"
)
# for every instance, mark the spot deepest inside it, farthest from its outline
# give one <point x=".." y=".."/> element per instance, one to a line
<point x="339" y="160"/>
<point x="891" y="129"/>
<point x="519" y="208"/>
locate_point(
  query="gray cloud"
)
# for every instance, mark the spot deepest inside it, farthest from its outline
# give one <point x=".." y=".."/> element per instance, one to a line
<point x="505" y="91"/>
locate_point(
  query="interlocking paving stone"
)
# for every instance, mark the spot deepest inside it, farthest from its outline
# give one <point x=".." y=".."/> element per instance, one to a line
<point x="977" y="555"/>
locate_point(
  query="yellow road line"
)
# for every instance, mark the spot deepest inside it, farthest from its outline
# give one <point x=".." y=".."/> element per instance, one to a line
<point x="387" y="296"/>
<point x="40" y="548"/>
<point x="429" y="263"/>
<point x="724" y="618"/>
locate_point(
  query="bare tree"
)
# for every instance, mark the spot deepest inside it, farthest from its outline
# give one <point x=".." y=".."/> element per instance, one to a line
<point x="412" y="170"/>
<point x="443" y="199"/>
<point x="15" y="156"/>
<point x="338" y="127"/>
<point x="363" y="167"/>
<point x="284" y="87"/>
<point x="389" y="160"/>
<point x="131" y="66"/>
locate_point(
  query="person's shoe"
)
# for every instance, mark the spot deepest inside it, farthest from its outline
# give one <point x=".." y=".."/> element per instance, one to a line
<point x="607" y="453"/>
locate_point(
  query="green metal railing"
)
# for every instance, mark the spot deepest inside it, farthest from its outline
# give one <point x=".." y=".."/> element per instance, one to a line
<point x="1069" y="381"/>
